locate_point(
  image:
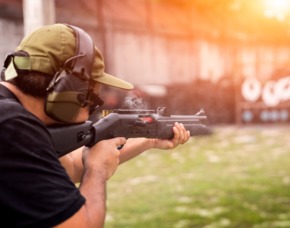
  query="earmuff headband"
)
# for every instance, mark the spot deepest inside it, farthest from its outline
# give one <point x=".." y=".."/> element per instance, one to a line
<point x="72" y="86"/>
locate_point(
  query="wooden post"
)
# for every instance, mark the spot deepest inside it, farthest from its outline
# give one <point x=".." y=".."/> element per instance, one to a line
<point x="37" y="13"/>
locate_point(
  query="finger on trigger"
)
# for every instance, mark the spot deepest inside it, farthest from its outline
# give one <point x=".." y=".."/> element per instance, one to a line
<point x="120" y="141"/>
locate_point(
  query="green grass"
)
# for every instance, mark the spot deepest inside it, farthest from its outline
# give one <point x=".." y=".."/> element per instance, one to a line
<point x="237" y="177"/>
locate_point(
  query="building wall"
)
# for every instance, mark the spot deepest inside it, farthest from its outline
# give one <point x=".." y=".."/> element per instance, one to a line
<point x="155" y="43"/>
<point x="11" y="31"/>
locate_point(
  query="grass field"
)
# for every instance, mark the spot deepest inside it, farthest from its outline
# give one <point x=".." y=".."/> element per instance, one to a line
<point x="237" y="177"/>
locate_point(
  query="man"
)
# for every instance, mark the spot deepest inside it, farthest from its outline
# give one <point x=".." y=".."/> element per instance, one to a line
<point x="53" y="77"/>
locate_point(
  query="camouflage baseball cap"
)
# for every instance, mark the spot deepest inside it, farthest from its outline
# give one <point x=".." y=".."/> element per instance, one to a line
<point x="50" y="46"/>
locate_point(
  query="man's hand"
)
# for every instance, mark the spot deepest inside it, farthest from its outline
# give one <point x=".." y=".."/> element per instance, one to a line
<point x="103" y="157"/>
<point x="181" y="136"/>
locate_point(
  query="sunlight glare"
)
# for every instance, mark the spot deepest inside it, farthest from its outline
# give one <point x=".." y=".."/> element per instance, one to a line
<point x="276" y="9"/>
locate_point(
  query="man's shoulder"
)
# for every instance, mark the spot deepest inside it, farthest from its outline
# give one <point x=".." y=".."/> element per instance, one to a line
<point x="10" y="108"/>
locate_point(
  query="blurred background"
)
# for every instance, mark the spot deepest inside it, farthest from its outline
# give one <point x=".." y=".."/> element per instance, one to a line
<point x="229" y="57"/>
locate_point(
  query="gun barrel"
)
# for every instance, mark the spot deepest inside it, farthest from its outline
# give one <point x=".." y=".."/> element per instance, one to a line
<point x="189" y="117"/>
<point x="198" y="129"/>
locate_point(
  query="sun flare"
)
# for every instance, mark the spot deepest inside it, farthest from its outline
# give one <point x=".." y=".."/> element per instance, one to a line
<point x="276" y="9"/>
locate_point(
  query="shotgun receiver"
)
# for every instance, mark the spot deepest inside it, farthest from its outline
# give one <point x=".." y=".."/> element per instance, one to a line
<point x="128" y="123"/>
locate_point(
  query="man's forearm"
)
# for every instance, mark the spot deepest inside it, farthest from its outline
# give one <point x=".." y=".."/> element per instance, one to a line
<point x="93" y="188"/>
<point x="134" y="147"/>
<point x="73" y="165"/>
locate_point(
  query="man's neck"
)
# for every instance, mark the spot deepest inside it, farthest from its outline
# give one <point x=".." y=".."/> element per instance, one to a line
<point x="32" y="104"/>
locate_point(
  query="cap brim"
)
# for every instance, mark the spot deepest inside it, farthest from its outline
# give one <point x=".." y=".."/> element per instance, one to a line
<point x="111" y="80"/>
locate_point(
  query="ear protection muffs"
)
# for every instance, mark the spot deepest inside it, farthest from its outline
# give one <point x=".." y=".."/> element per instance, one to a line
<point x="71" y="87"/>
